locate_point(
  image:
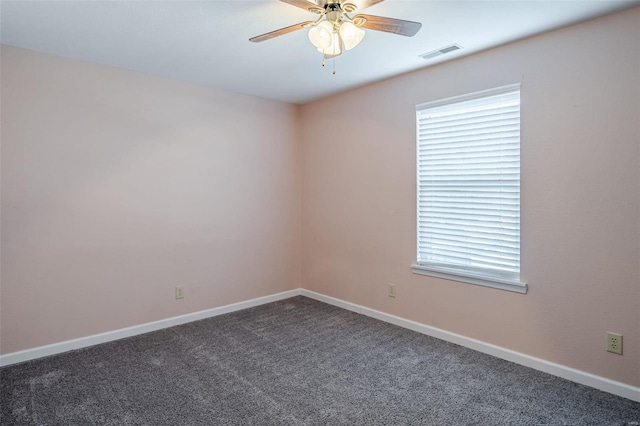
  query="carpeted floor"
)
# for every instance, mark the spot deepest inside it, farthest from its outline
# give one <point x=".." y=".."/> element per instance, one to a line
<point x="294" y="362"/>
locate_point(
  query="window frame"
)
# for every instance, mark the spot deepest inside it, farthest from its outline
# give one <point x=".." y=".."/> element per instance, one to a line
<point x="510" y="283"/>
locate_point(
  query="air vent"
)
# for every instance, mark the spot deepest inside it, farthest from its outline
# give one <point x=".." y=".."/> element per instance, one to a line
<point x="441" y="51"/>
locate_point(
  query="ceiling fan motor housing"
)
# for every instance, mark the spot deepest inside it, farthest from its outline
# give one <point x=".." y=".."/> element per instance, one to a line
<point x="336" y="6"/>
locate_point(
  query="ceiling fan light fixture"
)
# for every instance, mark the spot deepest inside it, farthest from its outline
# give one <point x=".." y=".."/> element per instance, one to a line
<point x="321" y="35"/>
<point x="335" y="30"/>
<point x="351" y="35"/>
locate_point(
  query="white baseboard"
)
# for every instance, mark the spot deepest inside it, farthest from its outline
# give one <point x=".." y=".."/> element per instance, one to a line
<point x="83" y="342"/>
<point x="588" y="379"/>
<point x="578" y="376"/>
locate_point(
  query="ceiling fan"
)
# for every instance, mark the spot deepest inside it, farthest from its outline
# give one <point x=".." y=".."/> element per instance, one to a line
<point x="335" y="29"/>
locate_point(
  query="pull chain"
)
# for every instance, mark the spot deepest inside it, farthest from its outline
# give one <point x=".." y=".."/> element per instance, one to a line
<point x="324" y="62"/>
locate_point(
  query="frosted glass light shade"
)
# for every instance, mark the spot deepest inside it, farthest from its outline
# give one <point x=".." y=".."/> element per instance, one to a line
<point x="321" y="35"/>
<point x="335" y="48"/>
<point x="351" y="35"/>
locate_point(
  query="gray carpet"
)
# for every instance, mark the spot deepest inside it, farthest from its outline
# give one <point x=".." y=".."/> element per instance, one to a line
<point x="294" y="362"/>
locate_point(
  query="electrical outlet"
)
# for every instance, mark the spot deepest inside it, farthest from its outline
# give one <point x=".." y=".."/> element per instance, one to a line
<point x="614" y="343"/>
<point x="179" y="292"/>
<point x="392" y="290"/>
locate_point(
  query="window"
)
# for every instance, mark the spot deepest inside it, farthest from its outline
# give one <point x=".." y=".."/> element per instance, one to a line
<point x="468" y="191"/>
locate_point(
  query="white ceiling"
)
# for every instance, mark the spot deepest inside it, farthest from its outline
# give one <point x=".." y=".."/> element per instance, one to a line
<point x="207" y="42"/>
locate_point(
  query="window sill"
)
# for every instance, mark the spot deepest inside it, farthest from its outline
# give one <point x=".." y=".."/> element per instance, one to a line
<point x="470" y="278"/>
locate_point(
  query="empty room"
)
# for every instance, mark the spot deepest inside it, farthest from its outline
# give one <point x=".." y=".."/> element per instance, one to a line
<point x="320" y="212"/>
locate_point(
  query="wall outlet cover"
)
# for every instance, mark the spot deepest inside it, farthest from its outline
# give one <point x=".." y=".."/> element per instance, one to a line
<point x="614" y="343"/>
<point x="392" y="290"/>
<point x="180" y="292"/>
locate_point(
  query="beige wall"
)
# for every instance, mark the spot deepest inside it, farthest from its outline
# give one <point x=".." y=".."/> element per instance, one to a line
<point x="118" y="186"/>
<point x="580" y="197"/>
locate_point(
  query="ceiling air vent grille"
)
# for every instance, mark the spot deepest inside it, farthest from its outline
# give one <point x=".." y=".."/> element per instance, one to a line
<point x="441" y="51"/>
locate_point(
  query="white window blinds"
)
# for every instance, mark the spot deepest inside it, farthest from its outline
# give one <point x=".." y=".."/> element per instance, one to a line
<point x="468" y="153"/>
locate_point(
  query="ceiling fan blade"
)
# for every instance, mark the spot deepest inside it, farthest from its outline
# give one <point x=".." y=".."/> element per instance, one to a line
<point x="389" y="25"/>
<point x="281" y="31"/>
<point x="309" y="5"/>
